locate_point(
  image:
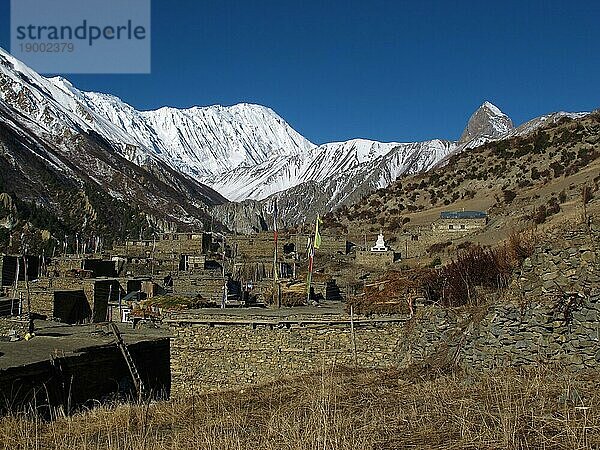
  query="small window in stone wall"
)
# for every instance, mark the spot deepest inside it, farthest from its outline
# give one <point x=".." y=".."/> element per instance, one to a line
<point x="462" y="227"/>
<point x="451" y="227"/>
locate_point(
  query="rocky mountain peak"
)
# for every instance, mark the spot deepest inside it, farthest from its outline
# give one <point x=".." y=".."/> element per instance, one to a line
<point x="488" y="121"/>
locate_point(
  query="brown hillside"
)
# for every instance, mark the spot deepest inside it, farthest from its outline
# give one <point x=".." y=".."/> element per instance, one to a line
<point x="523" y="181"/>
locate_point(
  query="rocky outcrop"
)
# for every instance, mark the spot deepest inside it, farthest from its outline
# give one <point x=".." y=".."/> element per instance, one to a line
<point x="487" y="122"/>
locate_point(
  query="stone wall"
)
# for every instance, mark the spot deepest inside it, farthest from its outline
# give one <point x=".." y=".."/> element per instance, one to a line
<point x="416" y="240"/>
<point x="12" y="324"/>
<point x="220" y="355"/>
<point x="97" y="290"/>
<point x="450" y="227"/>
<point x="41" y="292"/>
<point x="376" y="260"/>
<point x="568" y="263"/>
<point x="210" y="287"/>
<point x="259" y="246"/>
<point x="163" y="249"/>
<point x="210" y="357"/>
<point x="507" y="336"/>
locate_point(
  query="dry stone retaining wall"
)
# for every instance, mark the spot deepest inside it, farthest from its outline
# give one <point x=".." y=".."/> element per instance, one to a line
<point x="538" y="334"/>
<point x="209" y="358"/>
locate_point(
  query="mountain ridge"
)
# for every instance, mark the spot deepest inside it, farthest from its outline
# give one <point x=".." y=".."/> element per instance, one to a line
<point x="241" y="172"/>
<point x="64" y="177"/>
<point x="245" y="152"/>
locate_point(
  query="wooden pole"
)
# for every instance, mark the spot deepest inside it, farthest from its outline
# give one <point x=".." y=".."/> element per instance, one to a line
<point x="225" y="293"/>
<point x="353" y="335"/>
<point x="16" y="286"/>
<point x="109" y="309"/>
<point x="152" y="258"/>
<point x="27" y="288"/>
<point x="279" y="295"/>
<point x="311" y="250"/>
<point x="276" y="287"/>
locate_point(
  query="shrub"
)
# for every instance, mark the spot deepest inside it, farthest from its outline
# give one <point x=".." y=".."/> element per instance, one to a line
<point x="455" y="284"/>
<point x="464" y="245"/>
<point x="539" y="215"/>
<point x="509" y="196"/>
<point x="375" y="203"/>
<point x="586" y="194"/>
<point x="553" y="207"/>
<point x="557" y="168"/>
<point x="562" y="197"/>
<point x="438" y="247"/>
<point x="468" y="194"/>
<point x="435" y="262"/>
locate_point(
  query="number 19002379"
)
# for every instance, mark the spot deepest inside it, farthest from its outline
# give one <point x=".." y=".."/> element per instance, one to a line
<point x="47" y="47"/>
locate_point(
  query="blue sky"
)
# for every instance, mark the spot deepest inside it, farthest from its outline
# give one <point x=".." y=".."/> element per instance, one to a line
<point x="385" y="70"/>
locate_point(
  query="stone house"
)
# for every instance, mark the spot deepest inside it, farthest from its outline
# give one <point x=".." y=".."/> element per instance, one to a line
<point x="451" y="222"/>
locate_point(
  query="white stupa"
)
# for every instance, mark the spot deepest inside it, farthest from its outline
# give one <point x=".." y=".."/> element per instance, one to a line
<point x="380" y="244"/>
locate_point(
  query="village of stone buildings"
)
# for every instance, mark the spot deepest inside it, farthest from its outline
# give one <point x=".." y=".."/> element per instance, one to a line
<point x="202" y="311"/>
<point x="208" y="269"/>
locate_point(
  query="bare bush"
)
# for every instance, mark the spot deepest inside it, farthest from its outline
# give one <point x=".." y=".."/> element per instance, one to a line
<point x="477" y="267"/>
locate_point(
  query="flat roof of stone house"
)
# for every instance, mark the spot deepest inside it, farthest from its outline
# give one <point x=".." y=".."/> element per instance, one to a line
<point x="331" y="314"/>
<point x="54" y="338"/>
<point x="463" y="215"/>
<point x="326" y="308"/>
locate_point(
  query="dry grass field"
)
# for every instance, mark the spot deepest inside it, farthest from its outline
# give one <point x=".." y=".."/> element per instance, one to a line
<point x="345" y="409"/>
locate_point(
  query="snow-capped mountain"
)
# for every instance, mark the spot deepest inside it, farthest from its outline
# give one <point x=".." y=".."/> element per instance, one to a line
<point x="531" y="125"/>
<point x="346" y="183"/>
<point x="322" y="163"/>
<point x="55" y="152"/>
<point x="243" y="151"/>
<point x="203" y="141"/>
